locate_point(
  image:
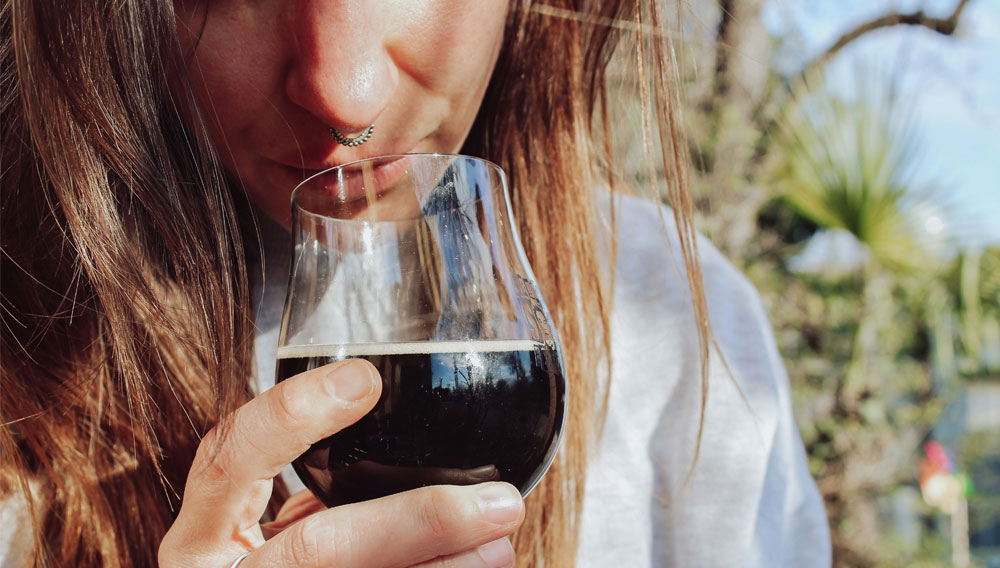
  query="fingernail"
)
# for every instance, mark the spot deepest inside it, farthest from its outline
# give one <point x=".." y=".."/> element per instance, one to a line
<point x="500" y="503"/>
<point x="350" y="380"/>
<point x="497" y="554"/>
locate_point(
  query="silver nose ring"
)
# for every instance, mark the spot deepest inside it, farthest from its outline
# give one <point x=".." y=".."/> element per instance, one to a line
<point x="355" y="141"/>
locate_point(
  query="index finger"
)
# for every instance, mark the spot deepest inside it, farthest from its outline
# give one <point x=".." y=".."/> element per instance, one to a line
<point x="400" y="530"/>
<point x="270" y="431"/>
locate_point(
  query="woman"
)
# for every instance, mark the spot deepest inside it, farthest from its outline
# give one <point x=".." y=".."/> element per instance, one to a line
<point x="147" y="147"/>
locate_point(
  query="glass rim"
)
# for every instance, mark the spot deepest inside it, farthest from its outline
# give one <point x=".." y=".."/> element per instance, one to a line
<point x="298" y="209"/>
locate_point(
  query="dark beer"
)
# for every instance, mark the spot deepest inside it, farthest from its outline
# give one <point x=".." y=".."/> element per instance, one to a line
<point x="453" y="412"/>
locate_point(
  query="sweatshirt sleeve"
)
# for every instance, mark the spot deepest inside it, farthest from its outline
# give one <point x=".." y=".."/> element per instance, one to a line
<point x="657" y="494"/>
<point x="800" y="536"/>
<point x="751" y="499"/>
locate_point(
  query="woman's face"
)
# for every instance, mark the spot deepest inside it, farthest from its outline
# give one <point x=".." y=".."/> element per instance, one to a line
<point x="272" y="77"/>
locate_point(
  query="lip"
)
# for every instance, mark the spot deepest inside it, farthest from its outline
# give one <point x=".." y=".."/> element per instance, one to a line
<point x="321" y="157"/>
<point x="304" y="167"/>
<point x="346" y="191"/>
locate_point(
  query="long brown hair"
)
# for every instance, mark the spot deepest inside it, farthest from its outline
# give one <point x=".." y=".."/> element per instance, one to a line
<point x="552" y="135"/>
<point x="125" y="294"/>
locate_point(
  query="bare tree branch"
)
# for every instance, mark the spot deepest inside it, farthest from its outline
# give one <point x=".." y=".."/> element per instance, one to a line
<point x="766" y="119"/>
<point x="944" y="26"/>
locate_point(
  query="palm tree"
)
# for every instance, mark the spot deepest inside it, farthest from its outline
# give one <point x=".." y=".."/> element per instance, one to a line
<point x="847" y="164"/>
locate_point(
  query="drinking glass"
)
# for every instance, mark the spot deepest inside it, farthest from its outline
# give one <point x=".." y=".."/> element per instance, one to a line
<point x="413" y="263"/>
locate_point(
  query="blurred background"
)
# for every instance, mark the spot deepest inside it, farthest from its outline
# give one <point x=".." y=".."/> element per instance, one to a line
<point x="847" y="159"/>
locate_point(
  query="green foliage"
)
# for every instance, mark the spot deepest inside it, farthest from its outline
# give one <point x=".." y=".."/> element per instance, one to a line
<point x="846" y="163"/>
<point x="862" y="443"/>
<point x="876" y="356"/>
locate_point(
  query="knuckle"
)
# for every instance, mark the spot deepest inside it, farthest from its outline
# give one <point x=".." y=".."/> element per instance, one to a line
<point x="209" y="462"/>
<point x="216" y="463"/>
<point x="301" y="547"/>
<point x="205" y="453"/>
<point x="437" y="513"/>
<point x="290" y="406"/>
<point x="254" y="445"/>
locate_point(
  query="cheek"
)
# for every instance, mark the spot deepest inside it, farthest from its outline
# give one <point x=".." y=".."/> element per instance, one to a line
<point x="235" y="82"/>
<point x="457" y="36"/>
<point x="232" y="74"/>
<point x="453" y="55"/>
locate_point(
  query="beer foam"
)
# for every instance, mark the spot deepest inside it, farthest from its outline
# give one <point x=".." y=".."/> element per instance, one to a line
<point x="407" y="348"/>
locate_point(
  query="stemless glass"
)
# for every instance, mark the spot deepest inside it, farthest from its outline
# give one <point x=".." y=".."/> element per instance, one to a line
<point x="412" y="262"/>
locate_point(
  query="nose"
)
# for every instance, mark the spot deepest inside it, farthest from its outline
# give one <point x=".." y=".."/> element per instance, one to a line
<point x="341" y="71"/>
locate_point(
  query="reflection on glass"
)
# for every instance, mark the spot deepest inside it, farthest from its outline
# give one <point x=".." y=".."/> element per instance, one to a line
<point x="412" y="263"/>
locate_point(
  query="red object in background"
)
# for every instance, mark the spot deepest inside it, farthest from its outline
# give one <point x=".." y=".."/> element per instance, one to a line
<point x="939" y="484"/>
<point x="938" y="457"/>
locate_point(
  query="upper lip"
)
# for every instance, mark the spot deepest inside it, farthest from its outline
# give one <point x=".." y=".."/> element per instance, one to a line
<point x="318" y="166"/>
<point x="307" y="166"/>
<point x="336" y="158"/>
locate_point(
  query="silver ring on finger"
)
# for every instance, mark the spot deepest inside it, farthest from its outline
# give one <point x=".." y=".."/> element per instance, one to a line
<point x="241" y="557"/>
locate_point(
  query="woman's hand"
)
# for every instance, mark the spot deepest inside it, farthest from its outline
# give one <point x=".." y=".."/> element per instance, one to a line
<point x="229" y="485"/>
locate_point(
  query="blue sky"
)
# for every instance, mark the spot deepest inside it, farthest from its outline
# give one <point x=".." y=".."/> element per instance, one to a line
<point x="954" y="83"/>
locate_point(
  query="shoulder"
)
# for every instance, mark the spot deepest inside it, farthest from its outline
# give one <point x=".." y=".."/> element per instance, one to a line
<point x="649" y="252"/>
<point x="651" y="281"/>
<point x="655" y="333"/>
<point x="750" y="479"/>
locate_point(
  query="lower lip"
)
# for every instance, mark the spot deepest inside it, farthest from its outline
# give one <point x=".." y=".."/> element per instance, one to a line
<point x="384" y="175"/>
<point x="352" y="186"/>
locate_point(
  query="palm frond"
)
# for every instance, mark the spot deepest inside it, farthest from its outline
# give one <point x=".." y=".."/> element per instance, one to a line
<point x="848" y="163"/>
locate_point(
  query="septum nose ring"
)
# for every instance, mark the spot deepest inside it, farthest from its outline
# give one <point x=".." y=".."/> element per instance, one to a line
<point x="355" y="141"/>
